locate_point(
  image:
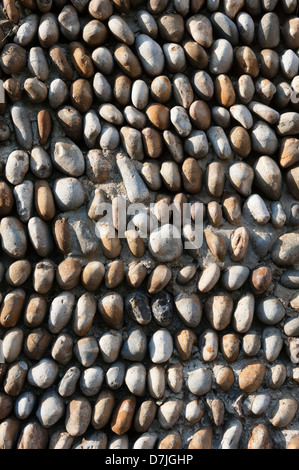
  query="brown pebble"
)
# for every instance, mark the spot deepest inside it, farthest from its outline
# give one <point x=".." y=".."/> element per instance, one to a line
<point x="216" y="244"/>
<point x="158" y="278"/>
<point x="224" y="91"/>
<point x="13" y="89"/>
<point x="289" y="151"/>
<point x="292" y="181"/>
<point x="44" y="124"/>
<point x="225" y="378"/>
<point x="152" y="142"/>
<point x="111" y="307"/>
<point x="214" y="213"/>
<point x="13" y="59"/>
<point x="192" y="176"/>
<point x="111" y="243"/>
<point x="240" y="141"/>
<point x="196" y="54"/>
<point x="93" y="275"/>
<point x="145" y="415"/>
<point x="122" y="89"/>
<point x="184" y="340"/>
<point x="171" y="27"/>
<point x="260" y="438"/>
<point x="6" y="405"/>
<point x="231" y="204"/>
<point x="33" y="436"/>
<point x="78" y="416"/>
<point x="6" y="199"/>
<point x="269" y="62"/>
<point x="135" y="243"/>
<point x="102" y="410"/>
<point x="100" y="9"/>
<point x="115" y="274"/>
<point x="158" y="115"/>
<point x="18" y="272"/>
<point x="44" y="200"/>
<point x="246" y="61"/>
<point x="202" y="439"/>
<point x="9" y="429"/>
<point x="238" y="243"/>
<point x="123" y="415"/>
<point x="171" y="441"/>
<point x="60" y="62"/>
<point x="11" y="308"/>
<point x="136" y="274"/>
<point x="15" y="378"/>
<point x="61" y="232"/>
<point x="200" y="114"/>
<point x="62" y="348"/>
<point x="251" y="377"/>
<point x="81" y="96"/>
<point x="127" y="61"/>
<point x="71" y="122"/>
<point x="230" y="345"/>
<point x="161" y="89"/>
<point x="80" y="60"/>
<point x="215" y="179"/>
<point x="68" y="274"/>
<point x="36" y="343"/>
<point x="294" y="442"/>
<point x="35" y="310"/>
<point x="261" y="279"/>
<point x="94" y="33"/>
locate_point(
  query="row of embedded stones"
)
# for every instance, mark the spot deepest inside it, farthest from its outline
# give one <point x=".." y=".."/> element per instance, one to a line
<point x="47" y="230"/>
<point x="199" y="381"/>
<point x="293" y="130"/>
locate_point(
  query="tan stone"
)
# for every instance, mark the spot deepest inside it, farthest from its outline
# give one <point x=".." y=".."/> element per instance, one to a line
<point x="260" y="438"/>
<point x="225" y="378"/>
<point x="224" y="91"/>
<point x="115" y="273"/>
<point x="251" y="377"/>
<point x="159" y="278"/>
<point x="123" y="415"/>
<point x="68" y="274"/>
<point x="172" y="440"/>
<point x="239" y="243"/>
<point x="93" y="275"/>
<point x="81" y="95"/>
<point x="191" y="176"/>
<point x="11" y="308"/>
<point x="246" y="61"/>
<point x="111" y="310"/>
<point x="215" y="244"/>
<point x="230" y="345"/>
<point x="261" y="279"/>
<point x="103" y="408"/>
<point x="240" y="141"/>
<point x="158" y="115"/>
<point x="80" y="60"/>
<point x="184" y="340"/>
<point x="200" y="114"/>
<point x="145" y="415"/>
<point x="202" y="439"/>
<point x="44" y="200"/>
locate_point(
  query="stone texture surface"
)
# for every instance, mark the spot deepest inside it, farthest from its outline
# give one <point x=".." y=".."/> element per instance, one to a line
<point x="145" y="341"/>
